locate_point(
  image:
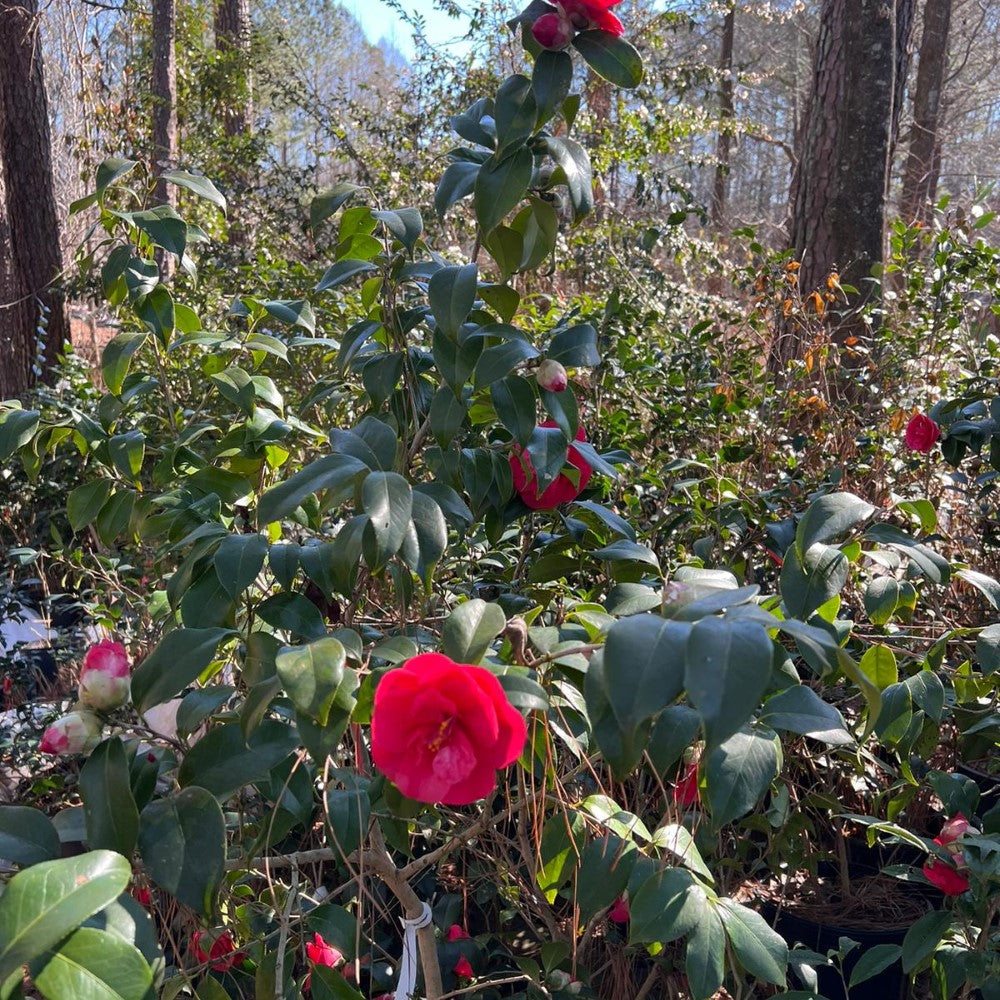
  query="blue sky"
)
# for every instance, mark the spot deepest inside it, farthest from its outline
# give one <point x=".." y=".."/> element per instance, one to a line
<point x="380" y="21"/>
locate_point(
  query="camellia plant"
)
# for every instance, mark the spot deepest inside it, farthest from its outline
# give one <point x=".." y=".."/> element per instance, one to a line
<point x="419" y="672"/>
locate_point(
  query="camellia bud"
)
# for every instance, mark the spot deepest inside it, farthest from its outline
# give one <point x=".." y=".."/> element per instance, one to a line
<point x="104" y="678"/>
<point x="553" y="31"/>
<point x="75" y="732"/>
<point x="552" y="376"/>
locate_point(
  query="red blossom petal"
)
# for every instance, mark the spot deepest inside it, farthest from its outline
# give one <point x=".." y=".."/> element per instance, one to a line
<point x="946" y="878"/>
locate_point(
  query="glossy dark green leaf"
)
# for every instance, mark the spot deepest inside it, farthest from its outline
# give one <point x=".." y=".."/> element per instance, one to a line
<point x="176" y="661"/>
<point x="238" y="560"/>
<point x="451" y="294"/>
<point x="293" y="613"/>
<point x="311" y="674"/>
<point x="109" y="808"/>
<point x="500" y="185"/>
<point x="611" y="57"/>
<point x="470" y="629"/>
<point x="575" y="164"/>
<point x="387" y="499"/>
<point x="182" y="840"/>
<point x="514" y="112"/>
<point x="738" y="772"/>
<point x="551" y="78"/>
<point x="331" y="472"/>
<point x="85" y="502"/>
<point x="93" y="964"/>
<point x="197" y="183"/>
<point x="116" y="359"/>
<point x="27" y="836"/>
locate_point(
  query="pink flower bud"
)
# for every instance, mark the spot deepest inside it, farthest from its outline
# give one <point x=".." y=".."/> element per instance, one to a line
<point x="956" y="827"/>
<point x="552" y="376"/>
<point x="75" y="732"/>
<point x="463" y="968"/>
<point x="553" y="31"/>
<point x="104" y="678"/>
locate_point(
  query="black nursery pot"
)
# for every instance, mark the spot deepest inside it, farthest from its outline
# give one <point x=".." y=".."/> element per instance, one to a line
<point x="890" y="984"/>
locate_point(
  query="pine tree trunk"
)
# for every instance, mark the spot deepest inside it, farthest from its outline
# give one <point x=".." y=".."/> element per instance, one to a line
<point x="724" y="143"/>
<point x="232" y="39"/>
<point x="840" y="183"/>
<point x="30" y="249"/>
<point x="923" y="155"/>
<point x="164" y="97"/>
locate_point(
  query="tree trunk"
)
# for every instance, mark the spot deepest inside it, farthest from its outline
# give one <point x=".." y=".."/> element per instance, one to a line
<point x="923" y="156"/>
<point x="164" y="97"/>
<point x="840" y="182"/>
<point x="32" y="309"/>
<point x="724" y="143"/>
<point x="232" y="41"/>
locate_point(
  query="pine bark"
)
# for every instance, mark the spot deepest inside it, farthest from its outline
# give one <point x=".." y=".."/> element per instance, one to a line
<point x="841" y="179"/>
<point x="164" y="97"/>
<point x="920" y="176"/>
<point x="232" y="40"/>
<point x="724" y="143"/>
<point x="31" y="301"/>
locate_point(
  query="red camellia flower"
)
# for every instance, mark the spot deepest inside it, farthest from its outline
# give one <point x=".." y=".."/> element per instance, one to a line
<point x="104" y="677"/>
<point x="948" y="879"/>
<point x="619" y="912"/>
<point x="686" y="791"/>
<point x="222" y="952"/>
<point x="561" y="489"/>
<point x="441" y="730"/>
<point x="921" y="433"/>
<point x="457" y="933"/>
<point x="556" y="30"/>
<point x="321" y="953"/>
<point x="463" y="968"/>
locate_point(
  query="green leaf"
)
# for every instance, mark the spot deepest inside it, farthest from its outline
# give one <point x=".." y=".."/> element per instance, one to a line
<point x="93" y="964"/>
<point x="110" y="170"/>
<point x="759" y="949"/>
<point x="986" y="585"/>
<point x="470" y="629"/>
<point x="343" y="271"/>
<point x="551" y="79"/>
<point x="164" y="227"/>
<point x="27" y="836"/>
<point x="678" y="841"/>
<point x="667" y="906"/>
<point x="447" y="414"/>
<point x="108" y="806"/>
<point x="738" y="772"/>
<point x="500" y="185"/>
<point x="222" y="763"/>
<point x="85" y="502"/>
<point x="610" y="57"/>
<point x="923" y="937"/>
<point x="326" y="203"/>
<point x="704" y="961"/>
<point x="127" y="452"/>
<point x="605" y="867"/>
<point x="45" y="903"/>
<point x="514" y="112"/>
<point x="404" y="223"/>
<point x="238" y="560"/>
<point x="643" y="667"/>
<point x="575" y="347"/>
<point x="387" y="499"/>
<point x="16" y="430"/>
<point x="293" y="613"/>
<point x="156" y="310"/>
<point x="563" y="840"/>
<point x="197" y="183"/>
<point x="451" y="294"/>
<point x="178" y="659"/>
<point x="426" y="537"/>
<point x="575" y="164"/>
<point x="799" y="709"/>
<point x="116" y="359"/>
<point x="514" y="402"/>
<point x="988" y="650"/>
<point x="879" y="665"/>
<point x="874" y="960"/>
<point x="809" y="581"/>
<point x="182" y="840"/>
<point x="882" y="597"/>
<point x="311" y="674"/>
<point x="331" y="472"/>
<point x="348" y="812"/>
<point x="294" y="312"/>
<point x="727" y="667"/>
<point x="456" y="182"/>
<point x="830" y="518"/>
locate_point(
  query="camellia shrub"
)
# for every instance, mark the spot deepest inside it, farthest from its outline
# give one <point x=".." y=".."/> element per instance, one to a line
<point x="419" y="714"/>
